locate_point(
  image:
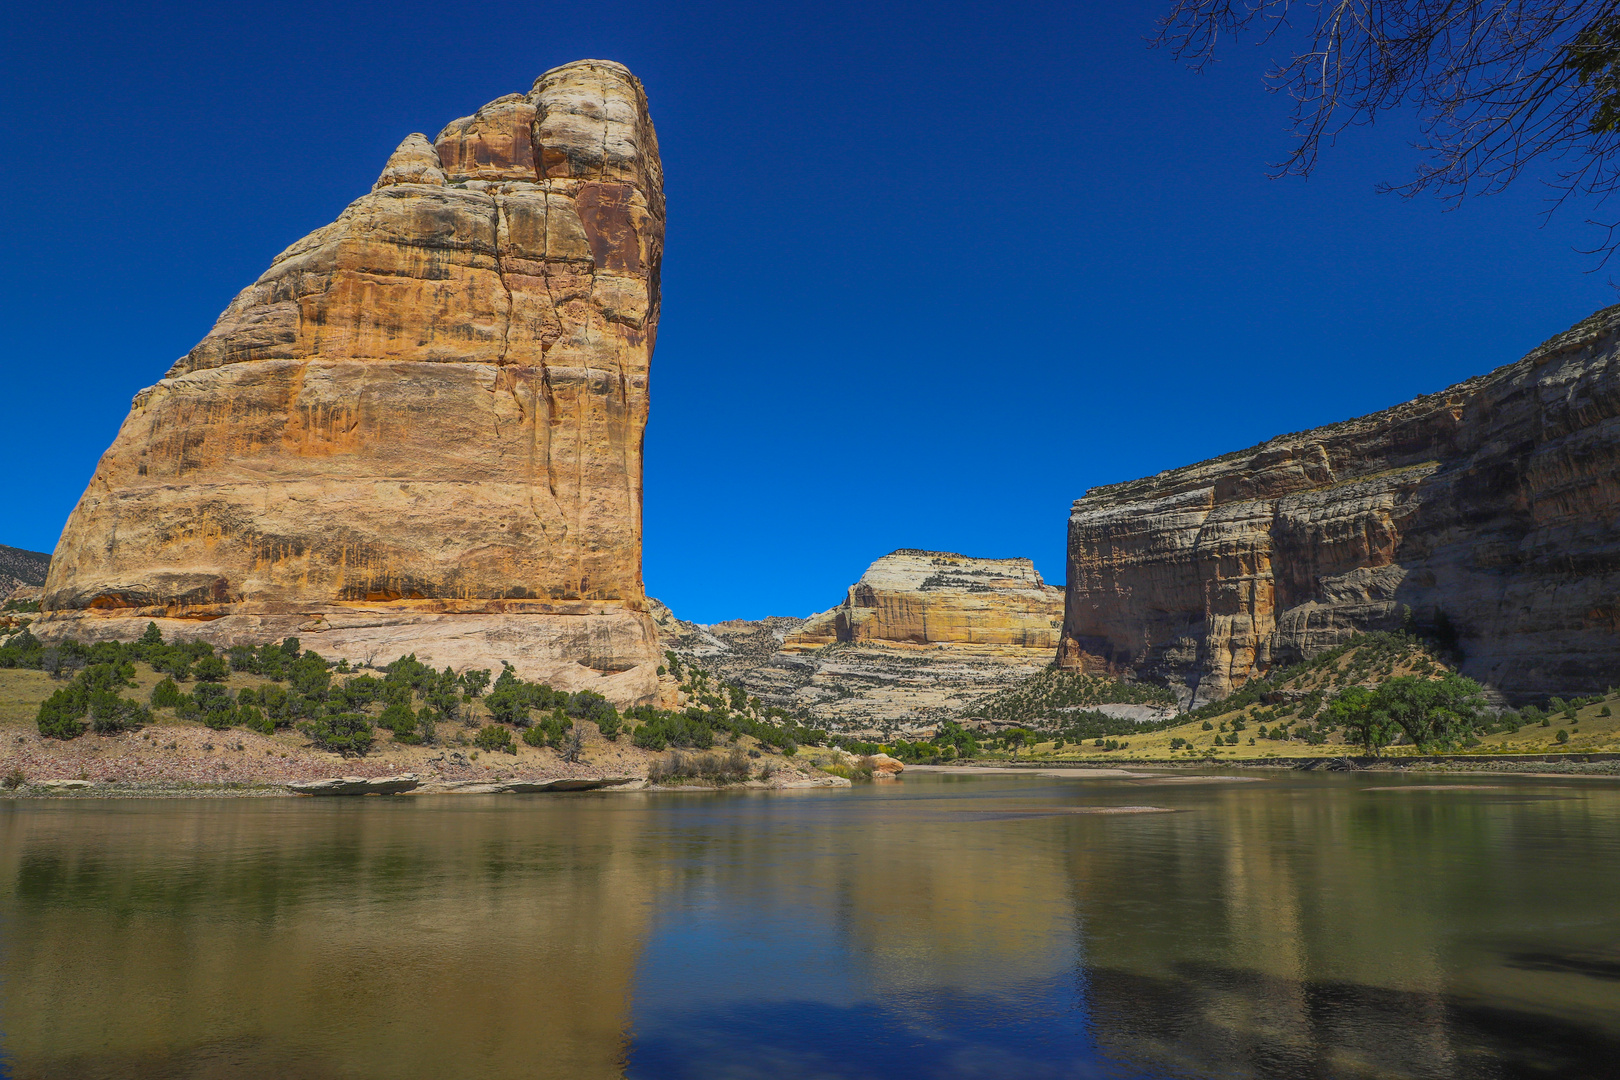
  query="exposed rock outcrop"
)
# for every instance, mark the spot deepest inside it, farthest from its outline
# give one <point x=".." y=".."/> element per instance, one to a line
<point x="1495" y="504"/>
<point x="921" y="597"/>
<point x="918" y="637"/>
<point x="421" y="428"/>
<point x="356" y="785"/>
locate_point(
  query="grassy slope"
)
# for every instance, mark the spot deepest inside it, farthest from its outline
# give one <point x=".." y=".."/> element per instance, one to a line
<point x="1327" y="674"/>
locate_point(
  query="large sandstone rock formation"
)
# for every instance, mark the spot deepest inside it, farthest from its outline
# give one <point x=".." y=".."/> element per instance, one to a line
<point x="935" y="596"/>
<point x="1495" y="503"/>
<point x="421" y="428"/>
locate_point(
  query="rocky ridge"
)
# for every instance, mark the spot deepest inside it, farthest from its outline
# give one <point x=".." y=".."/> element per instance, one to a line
<point x="920" y="636"/>
<point x="21" y="569"/>
<point x="1488" y="513"/>
<point x="420" y="429"/>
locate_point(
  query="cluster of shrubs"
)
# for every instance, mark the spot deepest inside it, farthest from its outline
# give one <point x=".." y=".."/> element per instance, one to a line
<point x="719" y="710"/>
<point x="1374" y="654"/>
<point x="409" y="699"/>
<point x="950" y="741"/>
<point x="300" y="691"/>
<point x="1053" y="694"/>
<point x="1433" y="714"/>
<point x="727" y="768"/>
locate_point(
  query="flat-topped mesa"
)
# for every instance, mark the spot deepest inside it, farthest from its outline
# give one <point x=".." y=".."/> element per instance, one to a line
<point x="1490" y="510"/>
<point x="433" y="406"/>
<point x="924" y="597"/>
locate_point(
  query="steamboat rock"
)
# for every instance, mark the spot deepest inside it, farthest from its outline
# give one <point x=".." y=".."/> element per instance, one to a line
<point x="1490" y="511"/>
<point x="420" y="430"/>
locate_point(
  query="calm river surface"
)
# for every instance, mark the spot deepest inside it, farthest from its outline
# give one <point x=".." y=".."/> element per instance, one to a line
<point x="939" y="926"/>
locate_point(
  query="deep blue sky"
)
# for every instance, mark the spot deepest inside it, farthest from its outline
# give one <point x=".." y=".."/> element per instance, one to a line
<point x="932" y="270"/>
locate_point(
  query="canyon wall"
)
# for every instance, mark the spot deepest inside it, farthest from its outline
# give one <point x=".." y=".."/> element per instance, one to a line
<point x="421" y="428"/>
<point x="1490" y="510"/>
<point x="922" y="597"/>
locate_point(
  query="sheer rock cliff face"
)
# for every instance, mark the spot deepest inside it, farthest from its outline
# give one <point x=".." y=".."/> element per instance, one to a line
<point x="922" y="597"/>
<point x="421" y="428"/>
<point x="1495" y="503"/>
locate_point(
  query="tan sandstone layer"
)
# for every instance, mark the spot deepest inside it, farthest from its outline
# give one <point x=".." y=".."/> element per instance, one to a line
<point x="923" y="597"/>
<point x="421" y="428"/>
<point x="1494" y="503"/>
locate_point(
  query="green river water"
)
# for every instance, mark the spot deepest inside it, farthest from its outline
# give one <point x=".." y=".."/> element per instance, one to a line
<point x="1299" y="925"/>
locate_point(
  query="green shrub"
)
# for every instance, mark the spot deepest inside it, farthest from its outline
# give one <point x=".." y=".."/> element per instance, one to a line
<point x="495" y="737"/>
<point x="349" y="734"/>
<point x="14" y="780"/>
<point x="649" y="737"/>
<point x="60" y="715"/>
<point x="276" y="704"/>
<point x="1562" y="736"/>
<point x="356" y="693"/>
<point x="166" y="694"/>
<point x="549" y="731"/>
<point x="251" y="718"/>
<point x="220" y="719"/>
<point x="399" y="718"/>
<point x="1605" y="711"/>
<point x="110" y="714"/>
<point x="211" y="669"/>
<point x="309" y="675"/>
<point x="475" y="683"/>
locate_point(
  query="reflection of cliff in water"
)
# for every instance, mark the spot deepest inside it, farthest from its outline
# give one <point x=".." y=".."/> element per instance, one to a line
<point x="1355" y="955"/>
<point x="429" y="941"/>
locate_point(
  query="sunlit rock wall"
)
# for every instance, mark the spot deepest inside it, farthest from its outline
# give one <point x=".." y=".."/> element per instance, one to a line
<point x="1495" y="504"/>
<point x="431" y="408"/>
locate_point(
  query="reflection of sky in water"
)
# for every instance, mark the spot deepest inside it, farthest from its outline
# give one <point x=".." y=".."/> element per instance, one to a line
<point x="723" y="995"/>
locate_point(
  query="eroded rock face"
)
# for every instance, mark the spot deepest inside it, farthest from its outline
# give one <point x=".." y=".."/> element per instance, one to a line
<point x="1495" y="503"/>
<point x="923" y="597"/>
<point x="431" y="407"/>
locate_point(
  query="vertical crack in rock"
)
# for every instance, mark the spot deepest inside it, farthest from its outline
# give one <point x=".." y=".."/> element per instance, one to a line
<point x="500" y="273"/>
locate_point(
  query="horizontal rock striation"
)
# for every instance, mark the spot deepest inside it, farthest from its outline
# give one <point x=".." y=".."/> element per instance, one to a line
<point x="433" y="406"/>
<point x="922" y="597"/>
<point x="1491" y="510"/>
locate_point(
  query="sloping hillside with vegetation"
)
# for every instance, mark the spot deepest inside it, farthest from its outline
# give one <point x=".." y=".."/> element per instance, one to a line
<point x="262" y="714"/>
<point x="1050" y="699"/>
<point x="1384" y="694"/>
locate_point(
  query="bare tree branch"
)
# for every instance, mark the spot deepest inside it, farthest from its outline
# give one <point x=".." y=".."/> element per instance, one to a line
<point x="1497" y="85"/>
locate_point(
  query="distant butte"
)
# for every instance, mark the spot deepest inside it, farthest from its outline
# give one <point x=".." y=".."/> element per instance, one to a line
<point x="925" y="597"/>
